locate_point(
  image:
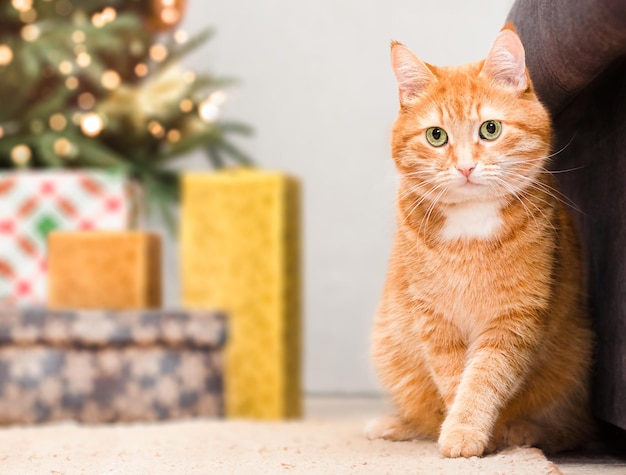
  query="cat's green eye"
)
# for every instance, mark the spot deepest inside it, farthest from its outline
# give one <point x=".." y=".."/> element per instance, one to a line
<point x="436" y="136"/>
<point x="490" y="130"/>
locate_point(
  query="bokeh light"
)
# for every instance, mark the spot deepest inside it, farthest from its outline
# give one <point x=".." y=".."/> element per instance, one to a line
<point x="91" y="124"/>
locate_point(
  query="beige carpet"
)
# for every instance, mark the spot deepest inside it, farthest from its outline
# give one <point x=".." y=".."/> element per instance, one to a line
<point x="238" y="447"/>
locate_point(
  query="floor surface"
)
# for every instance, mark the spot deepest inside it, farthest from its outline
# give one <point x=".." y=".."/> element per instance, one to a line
<point x="597" y="461"/>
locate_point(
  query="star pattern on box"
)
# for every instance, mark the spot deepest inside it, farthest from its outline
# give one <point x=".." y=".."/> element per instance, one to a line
<point x="33" y="204"/>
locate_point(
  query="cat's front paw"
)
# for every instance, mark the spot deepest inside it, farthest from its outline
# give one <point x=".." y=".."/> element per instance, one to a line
<point x="390" y="427"/>
<point x="463" y="441"/>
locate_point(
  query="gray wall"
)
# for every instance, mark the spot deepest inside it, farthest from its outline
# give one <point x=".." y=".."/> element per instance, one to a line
<point x="317" y="87"/>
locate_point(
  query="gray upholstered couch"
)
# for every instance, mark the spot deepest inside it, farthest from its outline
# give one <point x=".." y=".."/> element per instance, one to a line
<point x="576" y="54"/>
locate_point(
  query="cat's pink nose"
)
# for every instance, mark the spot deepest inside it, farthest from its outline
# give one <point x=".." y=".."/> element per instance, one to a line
<point x="466" y="170"/>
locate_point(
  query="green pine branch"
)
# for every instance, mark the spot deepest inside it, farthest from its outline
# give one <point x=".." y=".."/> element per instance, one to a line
<point x="145" y="126"/>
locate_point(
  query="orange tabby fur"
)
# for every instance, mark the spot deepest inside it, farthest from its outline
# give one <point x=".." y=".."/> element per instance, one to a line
<point x="481" y="337"/>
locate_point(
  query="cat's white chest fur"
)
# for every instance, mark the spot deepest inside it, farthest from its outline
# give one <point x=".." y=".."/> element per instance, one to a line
<point x="477" y="220"/>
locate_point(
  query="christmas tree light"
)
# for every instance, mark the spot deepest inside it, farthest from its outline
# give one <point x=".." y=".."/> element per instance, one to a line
<point x="95" y="83"/>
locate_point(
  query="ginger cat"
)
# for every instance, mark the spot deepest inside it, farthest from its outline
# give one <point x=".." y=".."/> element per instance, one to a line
<point x="481" y="338"/>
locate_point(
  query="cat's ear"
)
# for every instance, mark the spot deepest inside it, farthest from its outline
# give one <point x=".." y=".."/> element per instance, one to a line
<point x="506" y="61"/>
<point x="411" y="73"/>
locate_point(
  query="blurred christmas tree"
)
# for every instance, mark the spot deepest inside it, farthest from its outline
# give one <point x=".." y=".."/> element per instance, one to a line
<point x="98" y="83"/>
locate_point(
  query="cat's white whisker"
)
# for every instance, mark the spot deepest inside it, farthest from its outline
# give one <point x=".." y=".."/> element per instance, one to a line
<point x="421" y="200"/>
<point x="544" y="158"/>
<point x="512" y="192"/>
<point x="549" y="190"/>
<point x="426" y="218"/>
<point x="531" y="202"/>
<point x="567" y="170"/>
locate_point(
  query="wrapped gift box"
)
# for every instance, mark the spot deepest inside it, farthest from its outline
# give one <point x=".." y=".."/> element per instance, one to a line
<point x="33" y="203"/>
<point x="104" y="366"/>
<point x="104" y="269"/>
<point x="240" y="252"/>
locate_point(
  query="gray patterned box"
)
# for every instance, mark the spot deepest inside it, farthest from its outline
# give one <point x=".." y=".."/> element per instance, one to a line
<point x="105" y="366"/>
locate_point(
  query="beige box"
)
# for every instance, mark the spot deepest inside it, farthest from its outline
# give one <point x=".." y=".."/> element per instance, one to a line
<point x="104" y="270"/>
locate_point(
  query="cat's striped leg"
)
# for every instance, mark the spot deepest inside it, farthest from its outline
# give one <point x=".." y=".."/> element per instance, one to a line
<point x="497" y="366"/>
<point x="421" y="371"/>
<point x="444" y="351"/>
<point x="415" y="396"/>
<point x="407" y="379"/>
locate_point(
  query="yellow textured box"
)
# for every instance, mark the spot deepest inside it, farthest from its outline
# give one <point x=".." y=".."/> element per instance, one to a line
<point x="104" y="270"/>
<point x="240" y="252"/>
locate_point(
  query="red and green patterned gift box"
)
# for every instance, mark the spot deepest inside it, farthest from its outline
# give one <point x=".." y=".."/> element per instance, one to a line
<point x="32" y="204"/>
